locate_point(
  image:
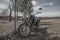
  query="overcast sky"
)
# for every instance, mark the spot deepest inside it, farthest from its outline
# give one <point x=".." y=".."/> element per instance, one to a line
<point x="51" y="8"/>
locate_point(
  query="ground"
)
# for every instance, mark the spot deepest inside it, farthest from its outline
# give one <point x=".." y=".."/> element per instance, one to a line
<point x="53" y="26"/>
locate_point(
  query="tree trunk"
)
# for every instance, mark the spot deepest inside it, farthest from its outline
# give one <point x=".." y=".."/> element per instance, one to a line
<point x="17" y="15"/>
<point x="10" y="16"/>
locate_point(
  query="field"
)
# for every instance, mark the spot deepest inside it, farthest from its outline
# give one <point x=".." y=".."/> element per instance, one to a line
<point x="53" y="26"/>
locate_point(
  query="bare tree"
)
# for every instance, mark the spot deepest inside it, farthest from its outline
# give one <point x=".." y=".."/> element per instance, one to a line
<point x="10" y="7"/>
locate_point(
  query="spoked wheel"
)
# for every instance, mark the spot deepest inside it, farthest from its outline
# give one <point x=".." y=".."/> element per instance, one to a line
<point x="24" y="30"/>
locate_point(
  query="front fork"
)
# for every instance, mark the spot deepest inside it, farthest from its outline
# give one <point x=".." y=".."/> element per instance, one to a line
<point x="32" y="26"/>
<point x="35" y="27"/>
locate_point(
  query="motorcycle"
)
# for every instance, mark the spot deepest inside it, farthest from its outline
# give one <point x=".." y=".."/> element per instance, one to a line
<point x="30" y="24"/>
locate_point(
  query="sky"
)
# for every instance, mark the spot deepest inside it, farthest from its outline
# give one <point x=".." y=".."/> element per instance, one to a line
<point x="50" y="8"/>
<point x="4" y="5"/>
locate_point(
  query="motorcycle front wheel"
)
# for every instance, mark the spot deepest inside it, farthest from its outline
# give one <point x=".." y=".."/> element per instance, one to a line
<point x="24" y="30"/>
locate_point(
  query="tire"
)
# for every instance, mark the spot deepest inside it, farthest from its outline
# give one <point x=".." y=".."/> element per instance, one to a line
<point x="24" y="30"/>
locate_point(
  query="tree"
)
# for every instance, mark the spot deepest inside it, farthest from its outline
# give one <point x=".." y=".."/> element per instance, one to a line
<point x="24" y="6"/>
<point x="10" y="7"/>
<point x="10" y="14"/>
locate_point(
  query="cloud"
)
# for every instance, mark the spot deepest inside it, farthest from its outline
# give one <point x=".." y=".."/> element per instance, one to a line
<point x="7" y="0"/>
<point x="3" y="6"/>
<point x="34" y="3"/>
<point x="49" y="4"/>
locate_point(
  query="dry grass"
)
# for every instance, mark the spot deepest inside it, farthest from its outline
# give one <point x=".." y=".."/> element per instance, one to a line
<point x="7" y="27"/>
<point x="52" y="24"/>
